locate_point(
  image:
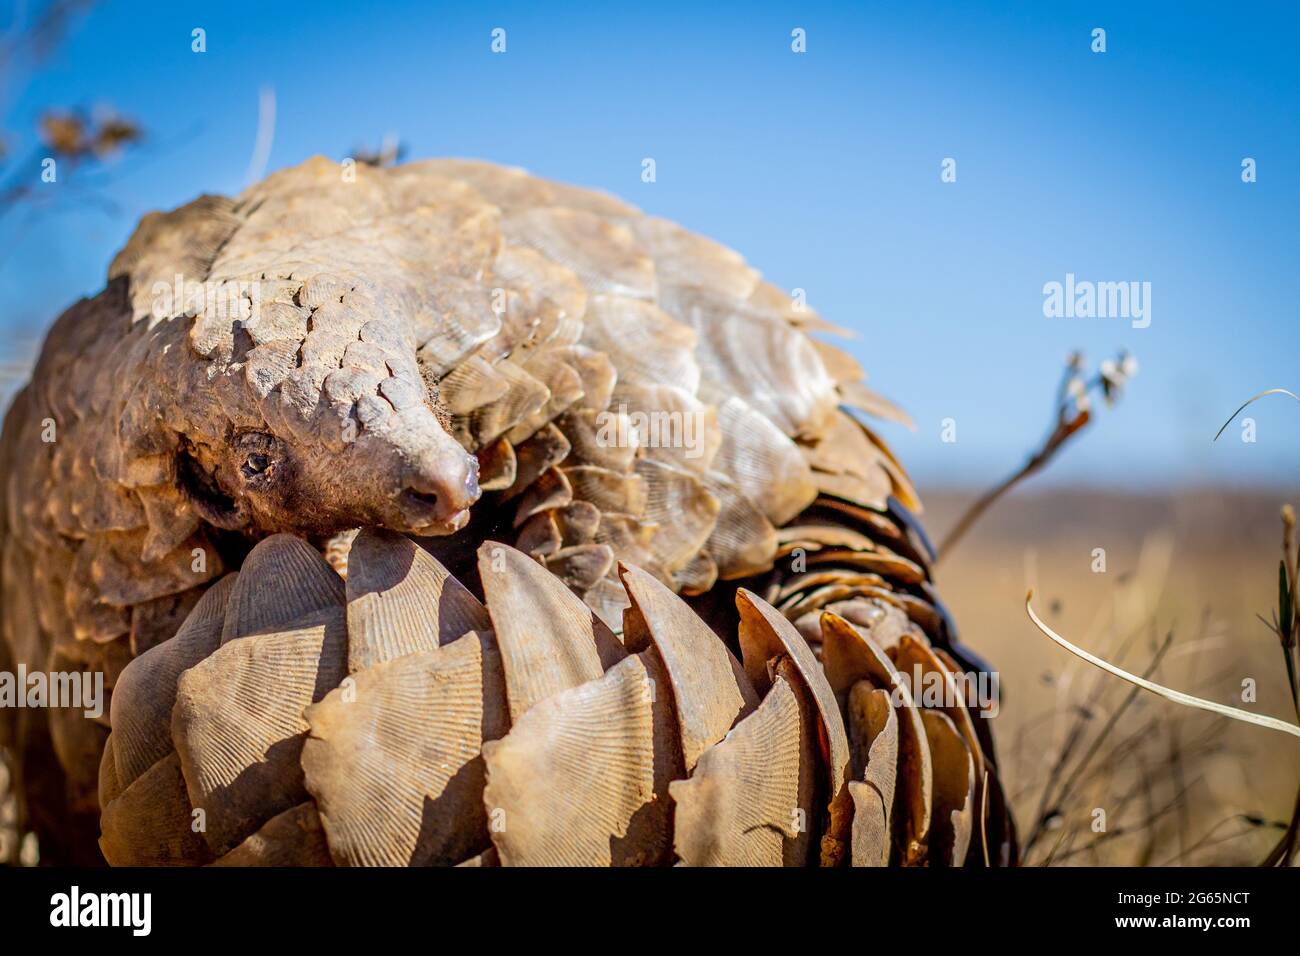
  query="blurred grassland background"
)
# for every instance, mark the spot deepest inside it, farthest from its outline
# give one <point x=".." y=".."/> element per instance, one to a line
<point x="1194" y="564"/>
<point x="823" y="168"/>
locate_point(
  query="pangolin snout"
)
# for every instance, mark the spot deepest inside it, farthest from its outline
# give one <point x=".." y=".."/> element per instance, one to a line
<point x="430" y="480"/>
<point x="441" y="495"/>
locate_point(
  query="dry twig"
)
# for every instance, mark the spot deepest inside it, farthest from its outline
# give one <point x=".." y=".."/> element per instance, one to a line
<point x="1073" y="412"/>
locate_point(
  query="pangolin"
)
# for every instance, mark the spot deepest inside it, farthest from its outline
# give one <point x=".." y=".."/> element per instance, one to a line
<point x="322" y="451"/>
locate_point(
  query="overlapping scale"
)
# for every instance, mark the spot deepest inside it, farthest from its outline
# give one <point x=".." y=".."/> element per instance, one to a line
<point x="539" y="738"/>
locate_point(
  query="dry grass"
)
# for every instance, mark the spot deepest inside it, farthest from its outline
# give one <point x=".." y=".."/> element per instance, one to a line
<point x="1186" y="574"/>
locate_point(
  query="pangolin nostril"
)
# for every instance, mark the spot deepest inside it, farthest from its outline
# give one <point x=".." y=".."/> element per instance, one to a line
<point x="423" y="497"/>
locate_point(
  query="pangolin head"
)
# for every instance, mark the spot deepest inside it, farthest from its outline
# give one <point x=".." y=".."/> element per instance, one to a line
<point x="293" y="383"/>
<point x="322" y="421"/>
<point x="402" y="472"/>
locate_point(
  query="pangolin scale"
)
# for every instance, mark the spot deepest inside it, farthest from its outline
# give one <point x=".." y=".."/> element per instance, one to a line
<point x="491" y="374"/>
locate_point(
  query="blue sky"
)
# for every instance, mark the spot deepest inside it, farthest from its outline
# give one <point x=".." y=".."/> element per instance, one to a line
<point x="823" y="169"/>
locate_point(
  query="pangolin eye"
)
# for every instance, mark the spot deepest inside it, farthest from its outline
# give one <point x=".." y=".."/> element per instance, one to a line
<point x="256" y="463"/>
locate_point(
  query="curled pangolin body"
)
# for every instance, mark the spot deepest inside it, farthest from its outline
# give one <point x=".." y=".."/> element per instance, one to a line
<point x="518" y="375"/>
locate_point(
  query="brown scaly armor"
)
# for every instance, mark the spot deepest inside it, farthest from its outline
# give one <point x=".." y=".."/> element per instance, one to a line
<point x="633" y="585"/>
